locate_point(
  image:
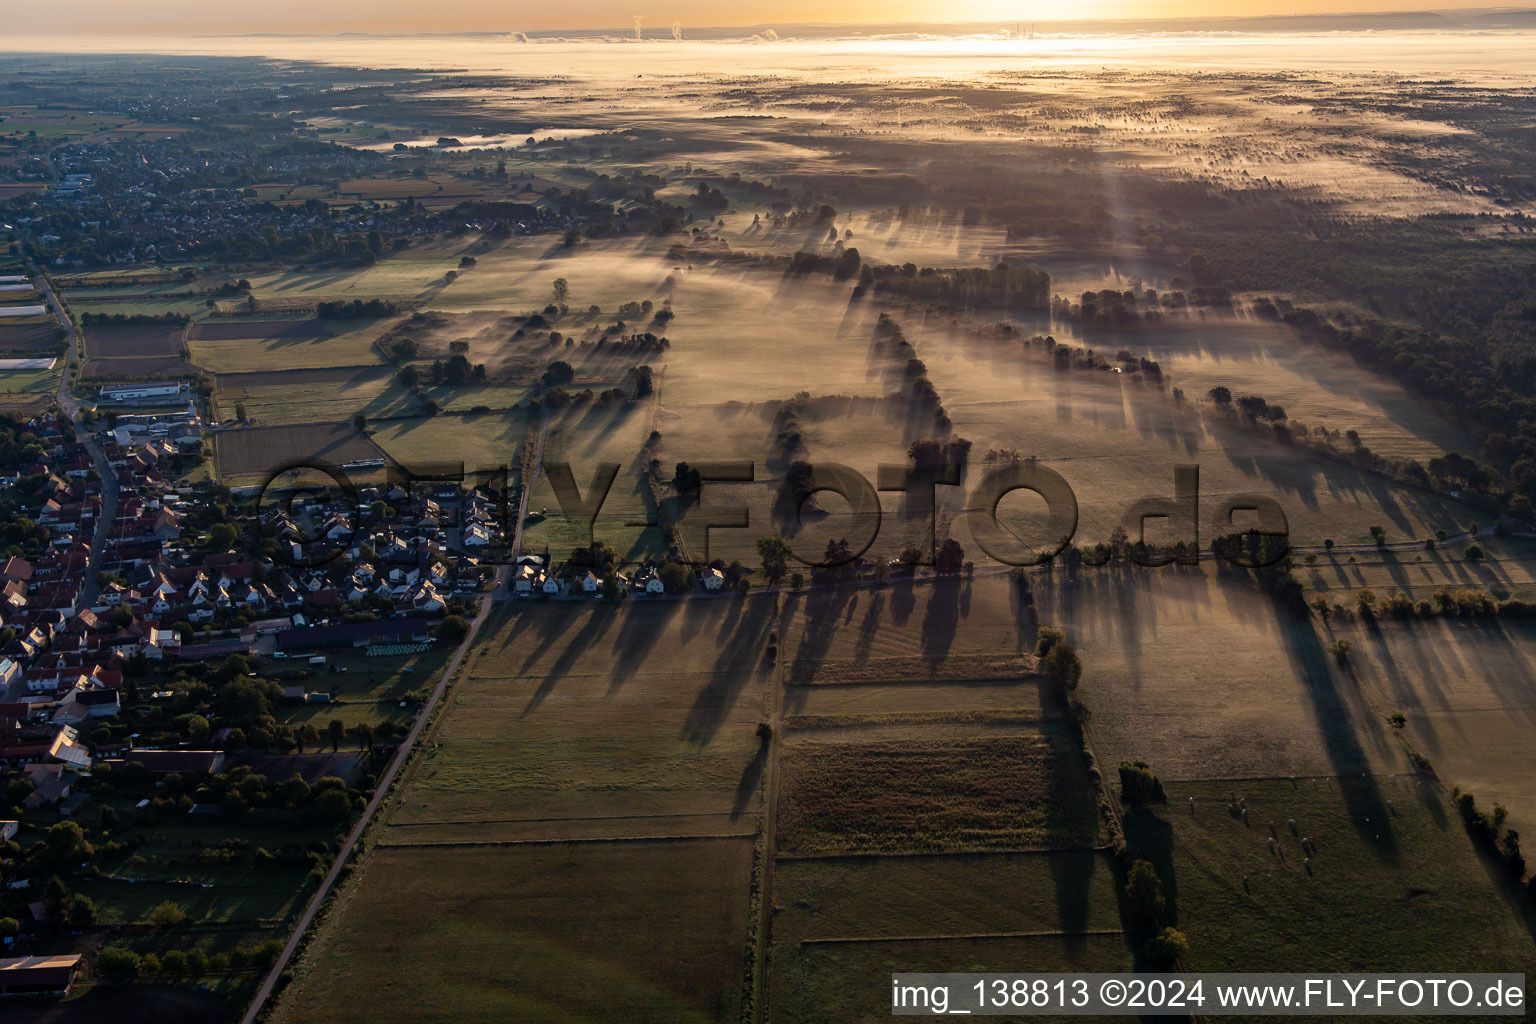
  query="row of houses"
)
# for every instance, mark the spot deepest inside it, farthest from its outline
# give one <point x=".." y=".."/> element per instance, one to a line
<point x="531" y="578"/>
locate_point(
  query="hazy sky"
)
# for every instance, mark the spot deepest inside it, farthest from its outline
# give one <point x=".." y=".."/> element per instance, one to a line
<point x="495" y="15"/>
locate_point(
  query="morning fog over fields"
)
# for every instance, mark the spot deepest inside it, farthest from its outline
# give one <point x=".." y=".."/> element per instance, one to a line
<point x="653" y="524"/>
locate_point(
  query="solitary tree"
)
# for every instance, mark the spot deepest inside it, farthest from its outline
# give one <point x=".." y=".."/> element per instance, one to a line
<point x="360" y="422"/>
<point x="1340" y="649"/>
<point x="167" y="915"/>
<point x="336" y="732"/>
<point x="562" y="290"/>
<point x="950" y="558"/>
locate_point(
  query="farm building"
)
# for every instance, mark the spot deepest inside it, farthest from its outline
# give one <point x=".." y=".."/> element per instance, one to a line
<point x="145" y="394"/>
<point x="50" y="784"/>
<point x="355" y="634"/>
<point x="38" y="975"/>
<point x="98" y="703"/>
<point x="212" y="649"/>
<point x="180" y="762"/>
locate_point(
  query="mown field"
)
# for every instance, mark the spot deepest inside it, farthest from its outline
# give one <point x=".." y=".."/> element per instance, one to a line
<point x="844" y="925"/>
<point x="1164" y="684"/>
<point x="278" y="397"/>
<point x="21" y="340"/>
<point x="1394" y="884"/>
<point x="133" y="342"/>
<point x="586" y="720"/>
<point x="255" y="452"/>
<point x="648" y="931"/>
<point x="935" y="793"/>
<point x="479" y="440"/>
<point x="257" y="346"/>
<point x="1467" y="692"/>
<point x="134" y="352"/>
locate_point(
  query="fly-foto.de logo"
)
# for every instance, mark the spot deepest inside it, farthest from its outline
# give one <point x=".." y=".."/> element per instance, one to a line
<point x="1248" y="530"/>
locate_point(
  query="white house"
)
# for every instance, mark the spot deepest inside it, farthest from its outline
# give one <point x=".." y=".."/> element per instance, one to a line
<point x="653" y="585"/>
<point x="160" y="642"/>
<point x="590" y="584"/>
<point x="426" y="599"/>
<point x="713" y="579"/>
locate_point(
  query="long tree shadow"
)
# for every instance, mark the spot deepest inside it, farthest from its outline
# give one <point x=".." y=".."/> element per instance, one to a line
<point x="642" y="629"/>
<point x="550" y="629"/>
<point x="751" y="777"/>
<point x="1340" y="731"/>
<point x="940" y="620"/>
<point x="868" y="628"/>
<point x="1148" y="837"/>
<point x="580" y="646"/>
<point x="742" y="657"/>
<point x="1072" y="873"/>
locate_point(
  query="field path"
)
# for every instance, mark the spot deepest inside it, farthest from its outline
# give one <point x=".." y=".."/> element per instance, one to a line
<point x="380" y="791"/>
<point x="760" y="982"/>
<point x="527" y="488"/>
